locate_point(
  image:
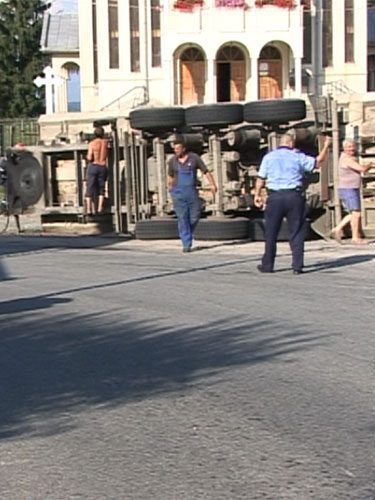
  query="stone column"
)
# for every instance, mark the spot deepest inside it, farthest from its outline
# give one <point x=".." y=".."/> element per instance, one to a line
<point x="211" y="82"/>
<point x="254" y="79"/>
<point x="298" y="75"/>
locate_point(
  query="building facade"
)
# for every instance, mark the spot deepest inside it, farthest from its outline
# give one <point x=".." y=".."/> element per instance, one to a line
<point x="183" y="52"/>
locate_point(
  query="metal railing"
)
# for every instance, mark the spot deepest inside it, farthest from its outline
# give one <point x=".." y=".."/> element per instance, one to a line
<point x="127" y="100"/>
<point x="13" y="130"/>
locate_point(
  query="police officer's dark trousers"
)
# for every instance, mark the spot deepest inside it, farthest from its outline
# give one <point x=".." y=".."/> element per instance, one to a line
<point x="287" y="203"/>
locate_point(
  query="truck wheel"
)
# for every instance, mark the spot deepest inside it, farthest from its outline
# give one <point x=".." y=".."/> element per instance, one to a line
<point x="27" y="179"/>
<point x="215" y="115"/>
<point x="161" y="118"/>
<point x="274" y="111"/>
<point x="306" y="137"/>
<point x="156" y="229"/>
<point x="244" y="138"/>
<point x="256" y="231"/>
<point x="221" y="229"/>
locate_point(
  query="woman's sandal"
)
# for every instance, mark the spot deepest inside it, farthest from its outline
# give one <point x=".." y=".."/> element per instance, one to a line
<point x="336" y="235"/>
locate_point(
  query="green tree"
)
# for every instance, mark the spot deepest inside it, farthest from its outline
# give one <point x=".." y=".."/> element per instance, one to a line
<point x="20" y="57"/>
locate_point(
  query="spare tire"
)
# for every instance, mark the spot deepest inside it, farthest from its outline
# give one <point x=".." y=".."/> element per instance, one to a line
<point x="157" y="229"/>
<point x="26" y="176"/>
<point x="221" y="228"/>
<point x="306" y="137"/>
<point x="162" y="118"/>
<point x="257" y="230"/>
<point x="214" y="115"/>
<point x="274" y="111"/>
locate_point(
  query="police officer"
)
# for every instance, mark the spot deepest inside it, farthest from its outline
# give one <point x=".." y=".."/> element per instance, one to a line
<point x="182" y="181"/>
<point x="284" y="169"/>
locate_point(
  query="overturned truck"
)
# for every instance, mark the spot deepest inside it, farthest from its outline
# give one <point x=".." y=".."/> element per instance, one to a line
<point x="21" y="184"/>
<point x="232" y="139"/>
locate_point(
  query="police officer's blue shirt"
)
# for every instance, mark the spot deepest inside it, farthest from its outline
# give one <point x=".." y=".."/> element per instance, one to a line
<point x="284" y="168"/>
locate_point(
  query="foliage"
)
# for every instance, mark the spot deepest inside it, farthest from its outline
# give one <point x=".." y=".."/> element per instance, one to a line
<point x="20" y="57"/>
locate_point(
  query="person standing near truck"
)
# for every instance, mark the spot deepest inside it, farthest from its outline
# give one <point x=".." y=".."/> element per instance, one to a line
<point x="284" y="169"/>
<point x="350" y="172"/>
<point x="97" y="170"/>
<point x="182" y="184"/>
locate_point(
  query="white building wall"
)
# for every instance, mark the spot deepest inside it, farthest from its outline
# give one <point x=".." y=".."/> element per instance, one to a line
<point x="352" y="74"/>
<point x="210" y="28"/>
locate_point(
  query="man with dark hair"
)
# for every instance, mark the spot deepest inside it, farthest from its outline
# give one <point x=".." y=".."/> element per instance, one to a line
<point x="97" y="170"/>
<point x="284" y="169"/>
<point x="182" y="184"/>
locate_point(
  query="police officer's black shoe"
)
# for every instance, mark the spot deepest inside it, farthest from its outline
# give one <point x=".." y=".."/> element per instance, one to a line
<point x="296" y="272"/>
<point x="261" y="269"/>
<point x="186" y="249"/>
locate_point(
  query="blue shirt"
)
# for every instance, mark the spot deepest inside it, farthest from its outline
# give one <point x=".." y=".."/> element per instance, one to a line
<point x="284" y="168"/>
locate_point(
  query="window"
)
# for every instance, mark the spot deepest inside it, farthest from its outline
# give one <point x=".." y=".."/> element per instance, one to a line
<point x="327" y="33"/>
<point x="94" y="41"/>
<point x="155" y="33"/>
<point x="307" y="39"/>
<point x="135" y="63"/>
<point x="73" y="87"/>
<point x="114" y="61"/>
<point x="349" y="31"/>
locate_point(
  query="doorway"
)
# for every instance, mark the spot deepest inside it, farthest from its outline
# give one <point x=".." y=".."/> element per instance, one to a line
<point x="230" y="74"/>
<point x="270" y="73"/>
<point x="192" y="86"/>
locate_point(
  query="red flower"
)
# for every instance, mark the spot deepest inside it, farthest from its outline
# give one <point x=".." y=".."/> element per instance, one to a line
<point x="284" y="4"/>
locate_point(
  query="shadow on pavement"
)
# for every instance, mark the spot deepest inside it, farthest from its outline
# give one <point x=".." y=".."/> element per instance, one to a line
<point x="52" y="369"/>
<point x="3" y="272"/>
<point x="13" y="244"/>
<point x="30" y="304"/>
<point x="350" y="260"/>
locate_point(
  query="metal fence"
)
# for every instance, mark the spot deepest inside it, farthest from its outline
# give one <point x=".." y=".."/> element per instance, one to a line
<point x="24" y="130"/>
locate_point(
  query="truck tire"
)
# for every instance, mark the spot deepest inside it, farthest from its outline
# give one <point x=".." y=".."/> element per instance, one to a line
<point x="156" y="229"/>
<point x="274" y="111"/>
<point x="161" y="118"/>
<point x="257" y="226"/>
<point x="306" y="137"/>
<point x="221" y="229"/>
<point x="27" y="179"/>
<point x="244" y="138"/>
<point x="214" y="115"/>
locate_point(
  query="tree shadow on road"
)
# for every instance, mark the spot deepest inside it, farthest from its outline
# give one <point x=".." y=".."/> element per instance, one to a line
<point x="51" y="369"/>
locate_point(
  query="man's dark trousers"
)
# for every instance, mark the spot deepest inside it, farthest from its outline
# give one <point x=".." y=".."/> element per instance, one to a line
<point x="287" y="203"/>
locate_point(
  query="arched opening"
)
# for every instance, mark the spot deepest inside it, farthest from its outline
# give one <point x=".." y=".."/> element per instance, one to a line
<point x="73" y="87"/>
<point x="230" y="74"/>
<point x="192" y="73"/>
<point x="270" y="73"/>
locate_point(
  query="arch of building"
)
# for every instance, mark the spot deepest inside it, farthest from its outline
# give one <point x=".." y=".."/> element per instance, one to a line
<point x="68" y="94"/>
<point x="278" y="70"/>
<point x="230" y="74"/>
<point x="190" y="70"/>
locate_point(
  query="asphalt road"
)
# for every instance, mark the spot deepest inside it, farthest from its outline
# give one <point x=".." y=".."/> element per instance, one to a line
<point x="132" y="371"/>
